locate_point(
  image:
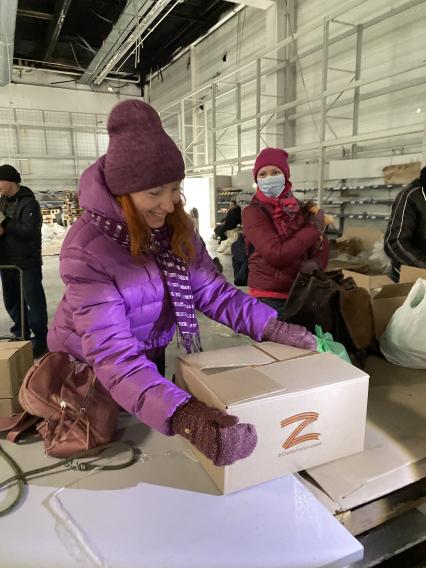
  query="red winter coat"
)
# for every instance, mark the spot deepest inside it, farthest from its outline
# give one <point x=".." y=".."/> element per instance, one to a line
<point x="276" y="260"/>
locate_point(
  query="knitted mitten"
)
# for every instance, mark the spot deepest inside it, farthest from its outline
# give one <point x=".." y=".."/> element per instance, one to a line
<point x="289" y="334"/>
<point x="213" y="432"/>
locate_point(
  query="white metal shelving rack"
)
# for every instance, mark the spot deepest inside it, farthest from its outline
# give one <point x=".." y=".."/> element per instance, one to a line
<point x="221" y="125"/>
<point x="51" y="148"/>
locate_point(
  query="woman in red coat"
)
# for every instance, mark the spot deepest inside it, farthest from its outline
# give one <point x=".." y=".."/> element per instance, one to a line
<point x="286" y="237"/>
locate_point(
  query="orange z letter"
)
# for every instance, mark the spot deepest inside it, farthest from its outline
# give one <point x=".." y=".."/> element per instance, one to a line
<point x="294" y="438"/>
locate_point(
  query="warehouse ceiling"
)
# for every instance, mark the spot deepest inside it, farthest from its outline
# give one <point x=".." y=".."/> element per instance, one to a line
<point x="95" y="38"/>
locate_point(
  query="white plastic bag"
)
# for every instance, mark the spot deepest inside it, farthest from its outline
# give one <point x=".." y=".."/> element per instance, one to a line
<point x="404" y="340"/>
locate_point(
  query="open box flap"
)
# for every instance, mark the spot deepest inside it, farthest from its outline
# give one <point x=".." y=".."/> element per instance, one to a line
<point x="395" y="444"/>
<point x="241" y="385"/>
<point x="384" y="466"/>
<point x="242" y="356"/>
<point x="394" y="291"/>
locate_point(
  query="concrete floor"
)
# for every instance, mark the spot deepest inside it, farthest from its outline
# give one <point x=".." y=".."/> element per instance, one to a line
<point x="213" y="334"/>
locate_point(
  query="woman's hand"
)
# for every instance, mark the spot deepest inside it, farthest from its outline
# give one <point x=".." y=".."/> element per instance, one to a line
<point x="318" y="219"/>
<point x="289" y="334"/>
<point x="214" y="433"/>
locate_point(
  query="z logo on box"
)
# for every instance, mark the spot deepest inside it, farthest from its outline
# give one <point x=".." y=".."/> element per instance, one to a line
<point x="295" y="438"/>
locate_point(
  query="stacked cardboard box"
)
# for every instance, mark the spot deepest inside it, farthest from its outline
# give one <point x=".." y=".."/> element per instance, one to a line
<point x="50" y="215"/>
<point x="401" y="173"/>
<point x="368" y="281"/>
<point x="308" y="408"/>
<point x="372" y="282"/>
<point x="395" y="443"/>
<point x="411" y="273"/>
<point x="385" y="302"/>
<point x="16" y="357"/>
<point x="71" y="208"/>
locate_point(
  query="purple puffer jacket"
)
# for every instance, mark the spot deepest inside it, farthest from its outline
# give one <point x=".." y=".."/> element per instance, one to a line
<point x="115" y="311"/>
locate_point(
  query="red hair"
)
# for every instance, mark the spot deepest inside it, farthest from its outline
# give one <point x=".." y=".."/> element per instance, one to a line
<point x="180" y="223"/>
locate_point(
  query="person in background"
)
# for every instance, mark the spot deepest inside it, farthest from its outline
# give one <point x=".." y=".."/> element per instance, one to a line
<point x="196" y="220"/>
<point x="287" y="238"/>
<point x="134" y="270"/>
<point x="405" y="237"/>
<point x="20" y="245"/>
<point x="231" y="221"/>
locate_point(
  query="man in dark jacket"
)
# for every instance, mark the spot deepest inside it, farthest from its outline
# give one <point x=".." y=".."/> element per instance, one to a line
<point x="231" y="221"/>
<point x="405" y="238"/>
<point x="20" y="245"/>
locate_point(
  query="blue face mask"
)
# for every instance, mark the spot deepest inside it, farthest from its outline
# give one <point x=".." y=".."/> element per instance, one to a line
<point x="272" y="186"/>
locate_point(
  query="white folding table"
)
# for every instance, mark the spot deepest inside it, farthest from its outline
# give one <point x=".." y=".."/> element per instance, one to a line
<point x="164" y="511"/>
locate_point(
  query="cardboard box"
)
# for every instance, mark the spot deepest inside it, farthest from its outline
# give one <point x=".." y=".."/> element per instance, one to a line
<point x="385" y="302"/>
<point x="411" y="273"/>
<point x="401" y="173"/>
<point x="395" y="442"/>
<point x="368" y="281"/>
<point x="9" y="406"/>
<point x="363" y="237"/>
<point x="308" y="408"/>
<point x="16" y="357"/>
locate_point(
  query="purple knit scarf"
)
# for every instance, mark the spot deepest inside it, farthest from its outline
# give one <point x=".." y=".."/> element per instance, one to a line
<point x="176" y="275"/>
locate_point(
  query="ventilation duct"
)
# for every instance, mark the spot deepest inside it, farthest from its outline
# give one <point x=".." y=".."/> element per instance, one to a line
<point x="130" y="27"/>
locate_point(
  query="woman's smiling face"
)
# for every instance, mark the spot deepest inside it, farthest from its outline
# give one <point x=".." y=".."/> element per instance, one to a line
<point x="153" y="205"/>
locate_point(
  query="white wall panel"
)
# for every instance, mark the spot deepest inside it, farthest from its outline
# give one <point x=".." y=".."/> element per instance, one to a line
<point x="390" y="47"/>
<point x="86" y="144"/>
<point x="46" y="116"/>
<point x="173" y="83"/>
<point x="241" y="38"/>
<point x="32" y="141"/>
<point x="8" y="142"/>
<point x="59" y="142"/>
<point x="34" y="97"/>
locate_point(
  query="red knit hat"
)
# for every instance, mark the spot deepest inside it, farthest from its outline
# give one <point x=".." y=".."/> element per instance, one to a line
<point x="140" y="154"/>
<point x="272" y="157"/>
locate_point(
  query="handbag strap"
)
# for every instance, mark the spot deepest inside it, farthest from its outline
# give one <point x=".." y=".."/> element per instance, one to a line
<point x="21" y="477"/>
<point x="16" y="424"/>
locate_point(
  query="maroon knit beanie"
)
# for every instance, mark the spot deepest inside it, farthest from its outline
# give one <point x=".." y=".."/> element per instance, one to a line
<point x="272" y="157"/>
<point x="140" y="154"/>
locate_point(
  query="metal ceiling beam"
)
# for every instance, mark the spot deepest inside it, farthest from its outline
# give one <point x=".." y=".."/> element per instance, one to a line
<point x="186" y="31"/>
<point x="35" y="15"/>
<point x="138" y="34"/>
<point x="260" y="4"/>
<point x="188" y="18"/>
<point x="61" y="10"/>
<point x="8" y="10"/>
<point x="134" y="20"/>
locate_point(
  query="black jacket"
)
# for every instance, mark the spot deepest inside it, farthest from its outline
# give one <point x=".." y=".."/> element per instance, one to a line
<point x="232" y="219"/>
<point x="20" y="244"/>
<point x="405" y="238"/>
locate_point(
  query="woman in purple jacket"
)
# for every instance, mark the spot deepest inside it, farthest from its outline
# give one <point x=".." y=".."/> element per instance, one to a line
<point x="134" y="270"/>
